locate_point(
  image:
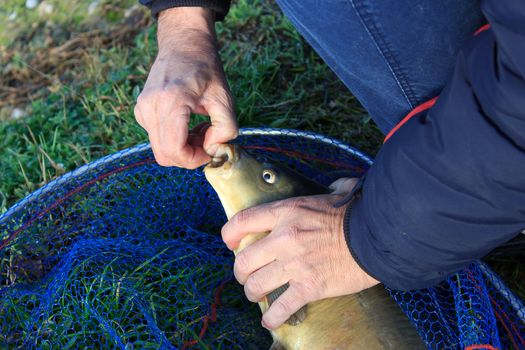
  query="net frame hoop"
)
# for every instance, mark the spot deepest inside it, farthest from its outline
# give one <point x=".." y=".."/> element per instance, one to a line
<point x="496" y="282"/>
<point x="146" y="146"/>
<point x="72" y="174"/>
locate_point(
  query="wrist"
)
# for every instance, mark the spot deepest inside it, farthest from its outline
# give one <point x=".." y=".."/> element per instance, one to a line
<point x="185" y="28"/>
<point x="198" y="18"/>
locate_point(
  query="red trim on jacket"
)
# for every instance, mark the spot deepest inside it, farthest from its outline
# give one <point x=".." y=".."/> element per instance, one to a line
<point x="425" y="105"/>
<point x="422" y="107"/>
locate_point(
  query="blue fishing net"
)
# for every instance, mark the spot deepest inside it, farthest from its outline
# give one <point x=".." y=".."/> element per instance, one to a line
<point x="124" y="254"/>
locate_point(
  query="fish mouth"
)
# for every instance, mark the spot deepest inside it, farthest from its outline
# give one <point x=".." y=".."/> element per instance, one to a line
<point x="225" y="156"/>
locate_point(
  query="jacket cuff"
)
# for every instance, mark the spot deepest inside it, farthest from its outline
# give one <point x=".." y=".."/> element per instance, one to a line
<point x="220" y="7"/>
<point x="384" y="265"/>
<point x="347" y="229"/>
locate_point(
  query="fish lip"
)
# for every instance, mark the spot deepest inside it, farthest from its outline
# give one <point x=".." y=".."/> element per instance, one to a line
<point x="225" y="153"/>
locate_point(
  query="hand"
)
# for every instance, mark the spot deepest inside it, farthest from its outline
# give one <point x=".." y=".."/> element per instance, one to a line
<point x="187" y="76"/>
<point x="306" y="248"/>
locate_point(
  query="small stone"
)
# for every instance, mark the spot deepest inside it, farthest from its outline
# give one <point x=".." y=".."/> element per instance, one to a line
<point x="92" y="7"/>
<point x="31" y="4"/>
<point x="45" y="8"/>
<point x="17" y="113"/>
<point x="12" y="16"/>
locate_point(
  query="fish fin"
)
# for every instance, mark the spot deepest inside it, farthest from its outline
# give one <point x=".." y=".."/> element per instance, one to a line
<point x="277" y="346"/>
<point x="298" y="317"/>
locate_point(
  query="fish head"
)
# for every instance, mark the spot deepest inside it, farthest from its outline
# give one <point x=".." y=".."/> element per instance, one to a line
<point x="241" y="181"/>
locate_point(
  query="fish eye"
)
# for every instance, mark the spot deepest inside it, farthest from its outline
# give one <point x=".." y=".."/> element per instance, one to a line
<point x="268" y="176"/>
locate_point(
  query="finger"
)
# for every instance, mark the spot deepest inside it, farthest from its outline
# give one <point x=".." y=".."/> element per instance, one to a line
<point x="223" y="126"/>
<point x="173" y="131"/>
<point x="262" y="218"/>
<point x="265" y="280"/>
<point x="343" y="185"/>
<point x="147" y="116"/>
<point x="154" y="141"/>
<point x="255" y="256"/>
<point x="282" y="308"/>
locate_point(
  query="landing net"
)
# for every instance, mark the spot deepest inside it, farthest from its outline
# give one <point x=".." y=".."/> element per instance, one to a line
<point x="125" y="254"/>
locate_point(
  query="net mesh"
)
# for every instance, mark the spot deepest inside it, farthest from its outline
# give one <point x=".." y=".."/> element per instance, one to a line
<point x="125" y="254"/>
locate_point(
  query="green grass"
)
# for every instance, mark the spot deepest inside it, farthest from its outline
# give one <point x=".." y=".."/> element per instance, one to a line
<point x="78" y="100"/>
<point x="86" y="111"/>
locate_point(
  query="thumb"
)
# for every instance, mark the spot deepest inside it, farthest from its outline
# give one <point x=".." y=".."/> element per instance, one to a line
<point x="223" y="127"/>
<point x="343" y="185"/>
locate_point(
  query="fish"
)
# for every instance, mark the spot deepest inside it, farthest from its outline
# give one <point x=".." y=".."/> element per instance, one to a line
<point x="370" y="319"/>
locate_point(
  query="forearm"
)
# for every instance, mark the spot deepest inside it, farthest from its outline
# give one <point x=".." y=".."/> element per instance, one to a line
<point x="448" y="187"/>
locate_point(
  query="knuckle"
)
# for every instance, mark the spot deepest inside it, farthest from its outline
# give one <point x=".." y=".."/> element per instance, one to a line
<point x="308" y="290"/>
<point x="241" y="217"/>
<point x="293" y="233"/>
<point x="162" y="159"/>
<point x="174" y="155"/>
<point x="139" y="118"/>
<point x="136" y="111"/>
<point x="297" y="203"/>
<point x="300" y="291"/>
<point x="274" y="208"/>
<point x="142" y="99"/>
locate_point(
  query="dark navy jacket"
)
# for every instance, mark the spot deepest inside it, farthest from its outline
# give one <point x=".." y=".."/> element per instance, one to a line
<point x="449" y="185"/>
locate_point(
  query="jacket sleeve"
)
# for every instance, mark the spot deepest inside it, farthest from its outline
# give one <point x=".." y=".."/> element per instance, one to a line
<point x="449" y="185"/>
<point x="219" y="6"/>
